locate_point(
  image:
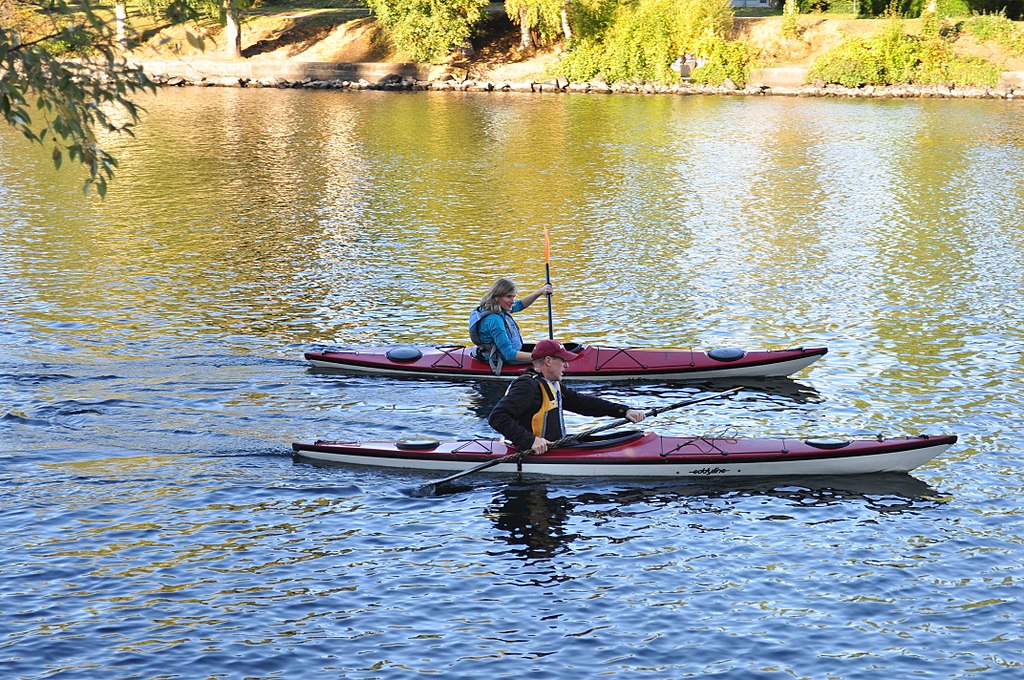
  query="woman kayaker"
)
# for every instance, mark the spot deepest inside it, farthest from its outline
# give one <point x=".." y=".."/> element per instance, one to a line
<point x="530" y="415"/>
<point x="492" y="328"/>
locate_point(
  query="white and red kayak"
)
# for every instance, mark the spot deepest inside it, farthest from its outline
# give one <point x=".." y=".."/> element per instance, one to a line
<point x="645" y="454"/>
<point x="591" y="363"/>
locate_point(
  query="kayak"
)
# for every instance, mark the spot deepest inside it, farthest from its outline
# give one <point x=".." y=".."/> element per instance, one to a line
<point x="646" y="454"/>
<point x="591" y="363"/>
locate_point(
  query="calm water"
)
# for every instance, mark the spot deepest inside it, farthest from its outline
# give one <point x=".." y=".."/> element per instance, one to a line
<point x="155" y="526"/>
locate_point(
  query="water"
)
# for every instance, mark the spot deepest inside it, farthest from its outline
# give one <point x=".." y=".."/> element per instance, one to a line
<point x="151" y="381"/>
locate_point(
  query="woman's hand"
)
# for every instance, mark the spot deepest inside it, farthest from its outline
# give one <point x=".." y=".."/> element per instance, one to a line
<point x="546" y="289"/>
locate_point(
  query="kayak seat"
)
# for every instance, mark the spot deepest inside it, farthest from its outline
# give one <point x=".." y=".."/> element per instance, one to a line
<point x="573" y="347"/>
<point x="595" y="441"/>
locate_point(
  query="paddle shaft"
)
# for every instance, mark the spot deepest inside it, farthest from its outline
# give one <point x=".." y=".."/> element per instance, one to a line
<point x="518" y="455"/>
<point x="551" y="320"/>
<point x="547" y="275"/>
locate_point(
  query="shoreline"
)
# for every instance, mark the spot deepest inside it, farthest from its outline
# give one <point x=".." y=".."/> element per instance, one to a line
<point x="407" y="76"/>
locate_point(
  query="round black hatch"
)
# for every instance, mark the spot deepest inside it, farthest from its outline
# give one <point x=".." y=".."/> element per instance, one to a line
<point x="727" y="354"/>
<point x="827" y="442"/>
<point x="417" y="444"/>
<point x="403" y="354"/>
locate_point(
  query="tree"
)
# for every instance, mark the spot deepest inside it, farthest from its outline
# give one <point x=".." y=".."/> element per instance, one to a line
<point x="63" y="78"/>
<point x="428" y="29"/>
<point x="548" y="18"/>
<point x="645" y="38"/>
<point x="231" y="15"/>
<point x="228" y="12"/>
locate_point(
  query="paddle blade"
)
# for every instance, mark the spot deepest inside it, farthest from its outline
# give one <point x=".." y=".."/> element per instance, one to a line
<point x="547" y="246"/>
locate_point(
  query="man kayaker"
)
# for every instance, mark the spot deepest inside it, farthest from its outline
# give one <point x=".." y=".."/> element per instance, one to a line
<point x="530" y="415"/>
<point x="492" y="328"/>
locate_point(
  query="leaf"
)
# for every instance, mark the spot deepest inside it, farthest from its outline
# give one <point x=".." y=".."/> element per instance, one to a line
<point x="195" y="41"/>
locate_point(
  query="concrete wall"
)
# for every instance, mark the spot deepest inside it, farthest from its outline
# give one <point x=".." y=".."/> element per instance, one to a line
<point x="289" y="70"/>
<point x="778" y="77"/>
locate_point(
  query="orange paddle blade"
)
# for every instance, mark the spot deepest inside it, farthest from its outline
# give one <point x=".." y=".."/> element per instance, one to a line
<point x="547" y="246"/>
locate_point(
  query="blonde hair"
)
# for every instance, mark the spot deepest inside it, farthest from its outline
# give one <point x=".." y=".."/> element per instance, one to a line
<point x="500" y="288"/>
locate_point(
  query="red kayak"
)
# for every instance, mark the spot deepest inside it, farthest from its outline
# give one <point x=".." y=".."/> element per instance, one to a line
<point x="592" y="363"/>
<point x="645" y="454"/>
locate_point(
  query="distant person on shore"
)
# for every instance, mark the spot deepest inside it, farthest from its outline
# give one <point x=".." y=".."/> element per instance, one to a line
<point x="530" y="415"/>
<point x="492" y="328"/>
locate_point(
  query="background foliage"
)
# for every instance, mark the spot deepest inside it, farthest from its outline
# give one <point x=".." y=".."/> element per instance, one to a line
<point x="643" y="38"/>
<point x="895" y="57"/>
<point x="428" y="29"/>
<point x="63" y="79"/>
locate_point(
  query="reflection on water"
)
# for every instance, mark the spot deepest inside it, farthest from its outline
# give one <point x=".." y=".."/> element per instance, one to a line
<point x="539" y="520"/>
<point x="814" y="221"/>
<point x="151" y="381"/>
<point x="531" y="519"/>
<point x="264" y="222"/>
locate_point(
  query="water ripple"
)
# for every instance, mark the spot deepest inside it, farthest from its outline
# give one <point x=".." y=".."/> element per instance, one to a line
<point x="151" y="382"/>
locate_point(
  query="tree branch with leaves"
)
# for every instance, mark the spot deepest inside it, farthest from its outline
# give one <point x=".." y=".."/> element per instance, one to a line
<point x="63" y="79"/>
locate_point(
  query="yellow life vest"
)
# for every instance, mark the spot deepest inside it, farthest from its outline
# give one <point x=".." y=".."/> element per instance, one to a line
<point x="547" y="422"/>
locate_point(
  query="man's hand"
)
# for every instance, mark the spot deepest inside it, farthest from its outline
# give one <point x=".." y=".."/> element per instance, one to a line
<point x="635" y="416"/>
<point x="540" y="445"/>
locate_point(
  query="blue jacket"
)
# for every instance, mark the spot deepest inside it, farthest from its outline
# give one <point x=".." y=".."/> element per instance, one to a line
<point x="492" y="331"/>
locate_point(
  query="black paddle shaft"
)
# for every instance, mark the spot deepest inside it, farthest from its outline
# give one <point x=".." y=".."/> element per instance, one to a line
<point x="551" y="320"/>
<point x="519" y="455"/>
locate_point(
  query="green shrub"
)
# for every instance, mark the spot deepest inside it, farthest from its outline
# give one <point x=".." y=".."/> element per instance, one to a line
<point x="990" y="26"/>
<point x="852" y="63"/>
<point x="897" y="51"/>
<point x="641" y="44"/>
<point x="723" y="59"/>
<point x="934" y="58"/>
<point x="998" y="29"/>
<point x="892" y="57"/>
<point x="644" y="38"/>
<point x="583" y="61"/>
<point x="964" y="71"/>
<point x="695" y="19"/>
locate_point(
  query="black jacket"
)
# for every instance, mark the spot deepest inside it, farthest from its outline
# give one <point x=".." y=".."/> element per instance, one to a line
<point x="513" y="414"/>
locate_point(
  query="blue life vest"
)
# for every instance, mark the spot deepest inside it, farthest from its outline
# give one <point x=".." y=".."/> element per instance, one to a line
<point x="489" y="351"/>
